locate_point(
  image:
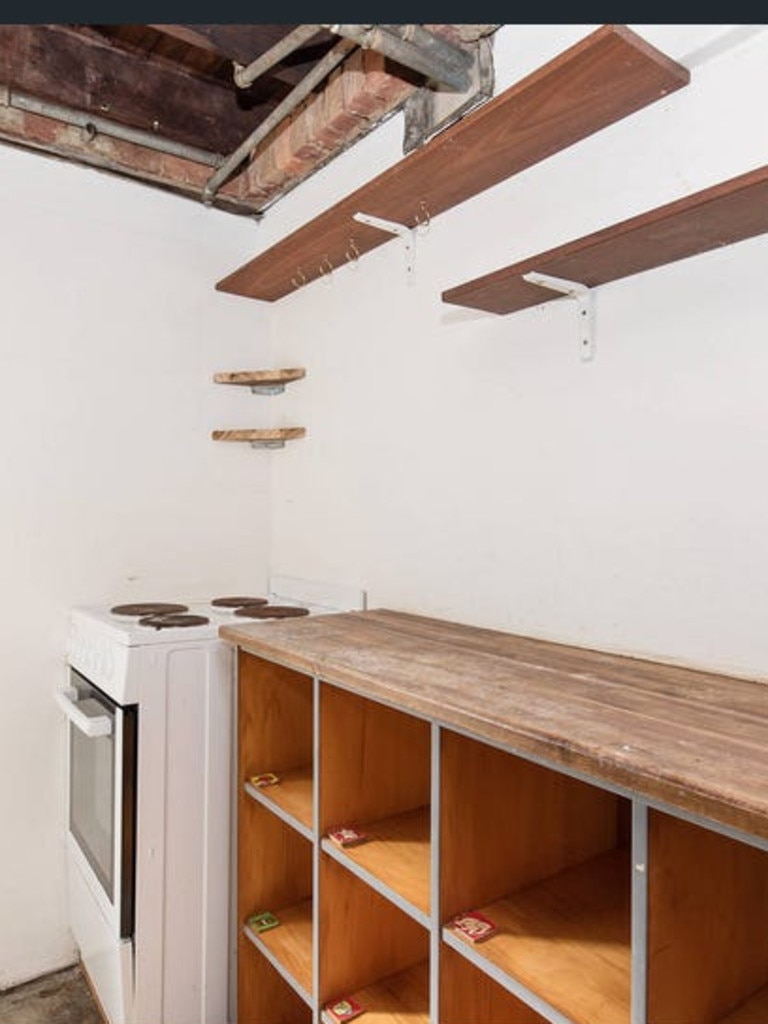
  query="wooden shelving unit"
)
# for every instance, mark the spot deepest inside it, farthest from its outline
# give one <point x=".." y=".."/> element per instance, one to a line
<point x="609" y="815"/>
<point x="606" y="76"/>
<point x="728" y="212"/>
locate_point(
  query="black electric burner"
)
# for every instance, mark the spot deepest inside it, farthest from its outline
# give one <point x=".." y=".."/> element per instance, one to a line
<point x="148" y="608"/>
<point x="271" y="611"/>
<point x="236" y="602"/>
<point x="173" y="621"/>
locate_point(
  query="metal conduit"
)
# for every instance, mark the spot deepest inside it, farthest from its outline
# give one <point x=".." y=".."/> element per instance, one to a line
<point x="416" y="48"/>
<point x="94" y="125"/>
<point x="245" y="75"/>
<point x="281" y="111"/>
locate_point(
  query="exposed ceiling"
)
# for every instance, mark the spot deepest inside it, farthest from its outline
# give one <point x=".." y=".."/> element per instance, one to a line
<point x="230" y="115"/>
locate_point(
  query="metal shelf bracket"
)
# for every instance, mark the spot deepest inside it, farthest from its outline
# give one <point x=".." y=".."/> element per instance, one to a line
<point x="408" y="236"/>
<point x="267" y="389"/>
<point x="582" y="295"/>
<point x="271" y="443"/>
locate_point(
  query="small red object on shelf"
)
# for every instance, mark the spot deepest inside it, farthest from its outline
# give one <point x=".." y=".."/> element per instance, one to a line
<point x="264" y="779"/>
<point x="343" y="1009"/>
<point x="474" y="926"/>
<point x="347" y="835"/>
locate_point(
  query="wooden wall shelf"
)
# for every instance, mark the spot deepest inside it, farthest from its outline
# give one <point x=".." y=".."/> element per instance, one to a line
<point x="606" y="76"/>
<point x="266" y="437"/>
<point x="728" y="212"/>
<point x="268" y="382"/>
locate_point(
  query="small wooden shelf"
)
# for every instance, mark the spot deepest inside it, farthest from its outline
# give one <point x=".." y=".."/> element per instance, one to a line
<point x="398" y="855"/>
<point x="567" y="939"/>
<point x="289" y="946"/>
<point x="402" y="998"/>
<point x="268" y="382"/>
<point x="728" y="212"/>
<point x="608" y="75"/>
<point x="264" y="437"/>
<point x="291" y="797"/>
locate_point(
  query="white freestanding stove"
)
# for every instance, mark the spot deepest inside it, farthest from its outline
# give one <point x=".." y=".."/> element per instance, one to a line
<point x="149" y="698"/>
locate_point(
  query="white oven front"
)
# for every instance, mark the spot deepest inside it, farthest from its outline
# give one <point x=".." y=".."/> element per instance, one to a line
<point x="101" y="814"/>
<point x="102" y="795"/>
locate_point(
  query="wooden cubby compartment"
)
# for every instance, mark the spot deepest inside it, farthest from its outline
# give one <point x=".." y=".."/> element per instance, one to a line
<point x="263" y="994"/>
<point x="707" y="931"/>
<point x="275" y="734"/>
<point x="275" y="874"/>
<point x="467" y="994"/>
<point x="547" y="858"/>
<point x="375" y="775"/>
<point x="370" y="950"/>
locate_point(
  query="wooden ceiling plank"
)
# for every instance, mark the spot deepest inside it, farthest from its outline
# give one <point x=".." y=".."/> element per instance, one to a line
<point x="77" y="72"/>
<point x="244" y="44"/>
<point x="245" y="75"/>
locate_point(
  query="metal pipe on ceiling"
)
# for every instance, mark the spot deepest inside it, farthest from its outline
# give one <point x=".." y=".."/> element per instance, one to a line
<point x="414" y="47"/>
<point x="94" y="125"/>
<point x="320" y="71"/>
<point x="245" y="75"/>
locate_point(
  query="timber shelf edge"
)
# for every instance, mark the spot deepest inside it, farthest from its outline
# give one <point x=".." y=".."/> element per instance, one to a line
<point x="731" y="211"/>
<point x="604" y="77"/>
<point x="274" y="437"/>
<point x="268" y="382"/>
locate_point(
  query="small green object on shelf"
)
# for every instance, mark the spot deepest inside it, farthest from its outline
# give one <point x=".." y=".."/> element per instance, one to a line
<point x="262" y="921"/>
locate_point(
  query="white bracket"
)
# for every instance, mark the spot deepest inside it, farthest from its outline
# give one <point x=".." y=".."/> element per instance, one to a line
<point x="582" y="295"/>
<point x="408" y="235"/>
<point x="267" y="389"/>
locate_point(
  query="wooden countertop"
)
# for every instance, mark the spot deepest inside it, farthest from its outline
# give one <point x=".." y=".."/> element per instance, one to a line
<point x="695" y="740"/>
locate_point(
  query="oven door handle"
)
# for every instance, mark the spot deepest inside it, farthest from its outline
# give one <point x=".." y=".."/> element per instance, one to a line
<point x="91" y="725"/>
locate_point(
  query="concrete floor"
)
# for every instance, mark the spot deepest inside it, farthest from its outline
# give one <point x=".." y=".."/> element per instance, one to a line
<point x="60" y="998"/>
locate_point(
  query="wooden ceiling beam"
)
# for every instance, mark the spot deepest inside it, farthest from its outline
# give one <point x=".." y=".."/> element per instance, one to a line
<point x="57" y="64"/>
<point x="243" y="44"/>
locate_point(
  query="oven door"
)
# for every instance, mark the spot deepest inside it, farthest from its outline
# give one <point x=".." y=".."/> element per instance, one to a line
<point x="102" y="795"/>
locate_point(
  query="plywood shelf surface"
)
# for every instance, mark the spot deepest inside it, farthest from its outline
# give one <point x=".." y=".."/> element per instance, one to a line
<point x="402" y="998"/>
<point x="398" y="854"/>
<point x="728" y="212"/>
<point x="291" y="797"/>
<point x="289" y="946"/>
<point x="567" y="939"/>
<point x="608" y="75"/>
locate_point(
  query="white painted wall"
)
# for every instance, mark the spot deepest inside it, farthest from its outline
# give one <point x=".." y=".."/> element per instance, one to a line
<point x="110" y="330"/>
<point x="469" y="466"/>
<point x="457" y="464"/>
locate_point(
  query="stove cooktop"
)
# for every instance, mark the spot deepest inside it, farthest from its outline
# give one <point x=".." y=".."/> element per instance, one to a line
<point x="146" y="623"/>
<point x="164" y="615"/>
